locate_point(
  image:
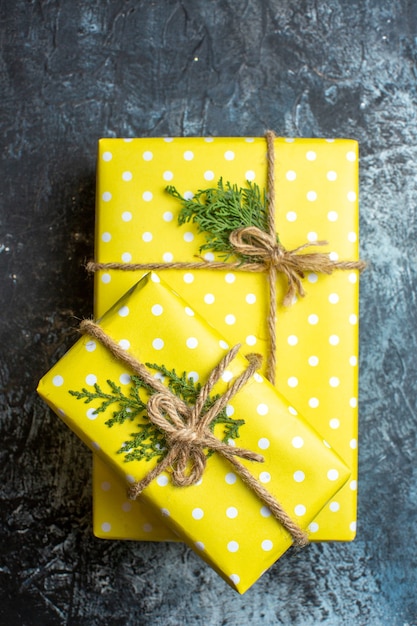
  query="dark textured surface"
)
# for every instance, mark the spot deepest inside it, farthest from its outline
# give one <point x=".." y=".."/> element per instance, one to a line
<point x="73" y="71"/>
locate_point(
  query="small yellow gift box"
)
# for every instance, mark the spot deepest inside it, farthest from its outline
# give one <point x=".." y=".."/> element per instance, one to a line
<point x="219" y="517"/>
<point x="317" y="338"/>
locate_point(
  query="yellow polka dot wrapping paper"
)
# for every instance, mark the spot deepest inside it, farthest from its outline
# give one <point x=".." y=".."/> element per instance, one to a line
<point x="219" y="517"/>
<point x="316" y="183"/>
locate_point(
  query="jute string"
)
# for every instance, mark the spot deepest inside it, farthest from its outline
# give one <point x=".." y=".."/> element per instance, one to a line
<point x="269" y="256"/>
<point x="187" y="432"/>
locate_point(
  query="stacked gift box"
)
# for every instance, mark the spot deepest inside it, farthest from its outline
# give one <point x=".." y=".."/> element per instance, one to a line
<point x="305" y="426"/>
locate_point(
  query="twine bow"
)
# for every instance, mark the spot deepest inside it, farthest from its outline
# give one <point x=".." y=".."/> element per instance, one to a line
<point x="187" y="428"/>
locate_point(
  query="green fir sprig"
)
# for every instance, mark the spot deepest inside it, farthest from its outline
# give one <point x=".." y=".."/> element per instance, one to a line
<point x="218" y="211"/>
<point x="148" y="441"/>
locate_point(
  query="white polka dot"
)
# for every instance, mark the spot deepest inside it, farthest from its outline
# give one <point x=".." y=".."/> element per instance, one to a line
<point x="162" y="480"/>
<point x="106" y="527"/>
<point x="233" y="546"/>
<point x="262" y="409"/>
<point x="313" y="403"/>
<point x="353" y="361"/>
<point x="311" y="196"/>
<point x="147" y="528"/>
<point x="333" y="298"/>
<point x="333" y="474"/>
<point x="168" y="216"/>
<point x="168" y="139"/>
<point x="291" y="216"/>
<point x="147" y="237"/>
<point x="265" y="512"/>
<point x="263" y="443"/>
<point x="126" y="216"/>
<point x="299" y="476"/>
<point x="189" y="311"/>
<point x="300" y="510"/>
<point x="353" y="444"/>
<point x="209" y="256"/>
<point x="167" y="257"/>
<point x="353" y="485"/>
<point x="235" y="578"/>
<point x="311" y="155"/>
<point x="157" y="309"/>
<point x="223" y="344"/>
<point x="313" y="527"/>
<point x="267" y="545"/>
<point x="351" y="156"/>
<point x="250" y="175"/>
<point x="91" y="379"/>
<point x="165" y="513"/>
<point x="107" y="196"/>
<point x="188" y="237"/>
<point x="290" y="175"/>
<point x="250" y="298"/>
<point x="105" y="278"/>
<point x="130" y="479"/>
<point x="167" y="175"/>
<point x="208" y="175"/>
<point x="312" y="236"/>
<point x="188" y="278"/>
<point x="105" y="485"/>
<point x="232" y="512"/>
<point x="334" y="340"/>
<point x="188" y="195"/>
<point x="249" y="139"/>
<point x="147" y="156"/>
<point x="292" y="381"/>
<point x="127" y="176"/>
<point x="352" y="526"/>
<point x="188" y="155"/>
<point x="95" y="445"/>
<point x="230" y="278"/>
<point x="124" y="379"/>
<point x="90" y="346"/>
<point x="155" y="278"/>
<point x="331" y="175"/>
<point x="353" y="278"/>
<point x="106" y="237"/>
<point x="313" y="319"/>
<point x="126" y="257"/>
<point x="227" y="376"/>
<point x="230" y="478"/>
<point x="199" y="545"/>
<point x="193" y="376"/>
<point x="332" y="216"/>
<point x="292" y="340"/>
<point x="265" y="477"/>
<point x="209" y="298"/>
<point x="250" y="340"/>
<point x="333" y="256"/>
<point x="353" y="402"/>
<point x="124" y="344"/>
<point x="312" y="278"/>
<point x="292" y="411"/>
<point x="327" y="444"/>
<point x="229" y="410"/>
<point x="123" y="311"/>
<point x="229" y="155"/>
<point x="297" y="442"/>
<point x="334" y="423"/>
<point x="313" y="361"/>
<point x="128" y="139"/>
<point x="230" y="319"/>
<point x="353" y="319"/>
<point x="197" y="513"/>
<point x="91" y="414"/>
<point x="126" y="507"/>
<point x="334" y="507"/>
<point x="107" y="156"/>
<point x="352" y="237"/>
<point x="334" y="381"/>
<point x="192" y="343"/>
<point x="258" y="377"/>
<point x="147" y="196"/>
<point x="351" y="196"/>
<point x="58" y="381"/>
<point x="158" y="343"/>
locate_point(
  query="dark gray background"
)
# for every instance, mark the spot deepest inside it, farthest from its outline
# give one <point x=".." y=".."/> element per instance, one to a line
<point x="74" y="71"/>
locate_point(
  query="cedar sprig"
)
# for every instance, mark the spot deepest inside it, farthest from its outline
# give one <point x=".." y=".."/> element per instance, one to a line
<point x="148" y="442"/>
<point x="218" y="211"/>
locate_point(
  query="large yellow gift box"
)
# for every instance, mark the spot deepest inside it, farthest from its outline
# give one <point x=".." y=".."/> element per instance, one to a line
<point x="219" y="517"/>
<point x="316" y="183"/>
